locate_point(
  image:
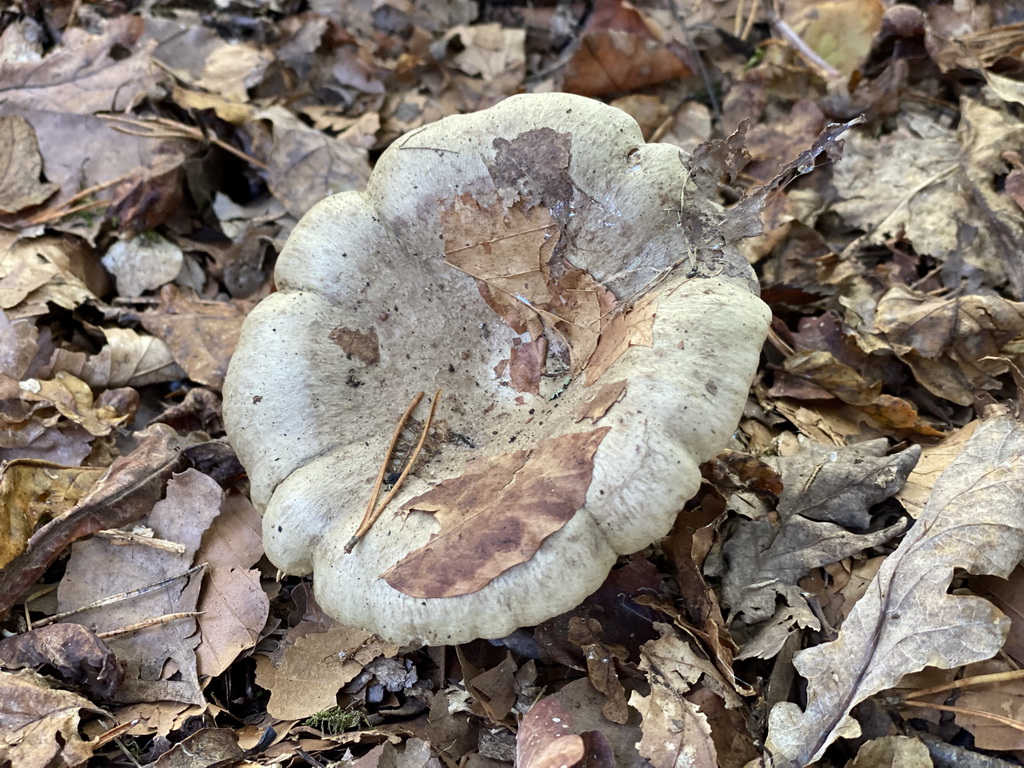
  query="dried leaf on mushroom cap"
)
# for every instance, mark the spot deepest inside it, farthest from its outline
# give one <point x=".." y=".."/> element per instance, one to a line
<point x="526" y="260"/>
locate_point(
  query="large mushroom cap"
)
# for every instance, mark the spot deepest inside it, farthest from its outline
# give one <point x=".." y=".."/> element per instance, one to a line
<point x="532" y="261"/>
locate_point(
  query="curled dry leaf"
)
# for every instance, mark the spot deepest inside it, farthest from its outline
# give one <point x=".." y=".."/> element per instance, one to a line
<point x="954" y="346"/>
<point x="20" y="166"/>
<point x="545" y="738"/>
<point x="825" y="492"/>
<point x="70" y="652"/>
<point x="906" y="620"/>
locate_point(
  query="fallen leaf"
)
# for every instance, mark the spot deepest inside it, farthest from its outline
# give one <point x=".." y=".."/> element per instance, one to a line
<point x="39" y="725"/>
<point x="20" y="166"/>
<point x="954" y="346"/>
<point x="128" y="359"/>
<point x="70" y="652"/>
<point x="496" y="515"/>
<point x="892" y="750"/>
<point x="144" y="263"/>
<point x="1004" y="699"/>
<point x="825" y="490"/>
<point x="122" y="496"/>
<point x="233" y="605"/>
<point x="201" y="334"/>
<point x="308" y="676"/>
<point x="906" y="621"/>
<point x="34" y="492"/>
<point x="601" y="671"/>
<point x="160" y="659"/>
<point x="205" y="747"/>
<point x="545" y="738"/>
<point x="676" y="734"/>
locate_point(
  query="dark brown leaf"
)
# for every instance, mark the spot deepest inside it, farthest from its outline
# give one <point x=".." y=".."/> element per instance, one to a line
<point x="496" y="515"/>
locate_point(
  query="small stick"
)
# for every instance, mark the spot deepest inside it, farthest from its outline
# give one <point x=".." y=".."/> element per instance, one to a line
<point x="369" y="518"/>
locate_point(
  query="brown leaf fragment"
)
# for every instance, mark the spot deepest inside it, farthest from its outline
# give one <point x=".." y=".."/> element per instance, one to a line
<point x="160" y="659"/>
<point x="597" y="406"/>
<point x="82" y="75"/>
<point x="34" y="492"/>
<point x="536" y="164"/>
<point x="201" y="334"/>
<point x="496" y="515"/>
<point x="205" y="747"/>
<point x="841" y="485"/>
<point x="586" y="634"/>
<point x="362" y="345"/>
<point x="526" y="364"/>
<point x="632" y="327"/>
<point x="20" y="166"/>
<point x="233" y="605"/>
<point x="312" y="671"/>
<point x="545" y="738"/>
<point x="676" y="734"/>
<point x="892" y="750"/>
<point x="39" y="725"/>
<point x="906" y="620"/>
<point x="70" y="652"/>
<point x="493" y="690"/>
<point x="954" y="346"/>
<point x="122" y="496"/>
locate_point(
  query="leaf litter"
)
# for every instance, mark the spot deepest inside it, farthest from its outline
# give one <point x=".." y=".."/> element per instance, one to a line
<point x="154" y="164"/>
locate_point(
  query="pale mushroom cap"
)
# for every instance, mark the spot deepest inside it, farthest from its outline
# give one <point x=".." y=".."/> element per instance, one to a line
<point x="310" y="414"/>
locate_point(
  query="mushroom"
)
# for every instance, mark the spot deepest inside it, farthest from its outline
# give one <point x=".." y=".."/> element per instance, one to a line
<point x="553" y="275"/>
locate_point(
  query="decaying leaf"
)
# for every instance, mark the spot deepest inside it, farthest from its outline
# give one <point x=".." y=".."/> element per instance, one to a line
<point x="906" y="620"/>
<point x="545" y="738"/>
<point x="954" y="346"/>
<point x="143" y="263"/>
<point x="825" y="492"/>
<point x="305" y="677"/>
<point x="20" y="166"/>
<point x="123" y="495"/>
<point x="34" y="492"/>
<point x="70" y="652"/>
<point x="676" y="732"/>
<point x="39" y="724"/>
<point x="496" y="514"/>
<point x="160" y="659"/>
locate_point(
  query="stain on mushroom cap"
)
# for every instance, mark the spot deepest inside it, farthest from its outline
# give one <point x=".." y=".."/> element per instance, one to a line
<point x="529" y="261"/>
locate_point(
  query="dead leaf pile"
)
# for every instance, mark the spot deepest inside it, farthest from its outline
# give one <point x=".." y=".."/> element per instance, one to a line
<point x="842" y="590"/>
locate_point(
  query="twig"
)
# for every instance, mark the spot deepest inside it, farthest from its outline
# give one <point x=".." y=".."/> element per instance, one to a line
<point x="825" y="70"/>
<point x="369" y="518"/>
<point x="176" y="130"/>
<point x="118" y="598"/>
<point x="701" y="69"/>
<point x="167" y="618"/>
<point x="68" y="207"/>
<point x="968" y="682"/>
<point x="1007" y="721"/>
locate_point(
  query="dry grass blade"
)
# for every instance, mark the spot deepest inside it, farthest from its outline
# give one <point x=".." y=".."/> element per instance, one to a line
<point x="372" y="514"/>
<point x="174" y="130"/>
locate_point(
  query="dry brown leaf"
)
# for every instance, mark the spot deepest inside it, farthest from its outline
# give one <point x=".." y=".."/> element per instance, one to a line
<point x="34" y="271"/>
<point x="496" y="515"/>
<point x="892" y="750"/>
<point x="306" y="165"/>
<point x="160" y="659"/>
<point x="201" y="334"/>
<point x="39" y="725"/>
<point x="34" y="492"/>
<point x="70" y="652"/>
<point x="824" y="489"/>
<point x="73" y="399"/>
<point x="233" y="604"/>
<point x="128" y="359"/>
<point x="676" y="734"/>
<point x="143" y="263"/>
<point x="1004" y="699"/>
<point x="601" y="671"/>
<point x="906" y="620"/>
<point x="122" y="496"/>
<point x="545" y="738"/>
<point x="934" y="459"/>
<point x="84" y="75"/>
<point x="20" y="166"/>
<point x="308" y="676"/>
<point x="205" y="747"/>
<point x="953" y="345"/>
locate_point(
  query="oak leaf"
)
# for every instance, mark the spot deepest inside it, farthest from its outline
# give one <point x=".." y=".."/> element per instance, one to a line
<point x="906" y="620"/>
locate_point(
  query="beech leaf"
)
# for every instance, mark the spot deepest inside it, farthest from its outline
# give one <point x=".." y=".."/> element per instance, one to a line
<point x="496" y="515"/>
<point x="906" y="620"/>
